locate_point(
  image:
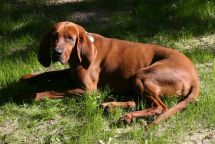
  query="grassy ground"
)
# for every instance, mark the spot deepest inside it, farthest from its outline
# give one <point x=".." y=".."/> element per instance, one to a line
<point x="188" y="26"/>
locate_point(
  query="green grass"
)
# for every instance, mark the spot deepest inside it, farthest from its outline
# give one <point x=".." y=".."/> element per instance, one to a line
<point x="187" y="26"/>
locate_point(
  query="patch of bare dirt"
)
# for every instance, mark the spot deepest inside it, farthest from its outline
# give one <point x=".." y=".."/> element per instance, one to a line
<point x="53" y="1"/>
<point x="9" y="126"/>
<point x="98" y="16"/>
<point x="65" y="1"/>
<point x="203" y="136"/>
<point x="204" y="42"/>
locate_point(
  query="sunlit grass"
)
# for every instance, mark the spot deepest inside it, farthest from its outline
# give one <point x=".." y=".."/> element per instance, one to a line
<point x="187" y="26"/>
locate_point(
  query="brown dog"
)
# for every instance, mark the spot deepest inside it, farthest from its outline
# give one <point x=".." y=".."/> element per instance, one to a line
<point x="150" y="71"/>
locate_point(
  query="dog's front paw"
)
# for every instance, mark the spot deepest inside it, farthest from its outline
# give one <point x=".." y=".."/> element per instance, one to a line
<point x="48" y="94"/>
<point x="26" y="77"/>
<point x="42" y="95"/>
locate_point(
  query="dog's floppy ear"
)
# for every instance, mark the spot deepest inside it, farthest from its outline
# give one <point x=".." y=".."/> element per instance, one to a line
<point x="85" y="48"/>
<point x="44" y="53"/>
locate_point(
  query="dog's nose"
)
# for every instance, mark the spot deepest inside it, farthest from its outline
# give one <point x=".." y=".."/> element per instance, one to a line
<point x="58" y="52"/>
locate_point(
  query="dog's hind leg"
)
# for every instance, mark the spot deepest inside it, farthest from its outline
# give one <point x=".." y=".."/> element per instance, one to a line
<point x="158" y="80"/>
<point x="157" y="106"/>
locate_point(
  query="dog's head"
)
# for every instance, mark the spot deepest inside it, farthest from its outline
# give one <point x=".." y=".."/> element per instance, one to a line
<point x="66" y="39"/>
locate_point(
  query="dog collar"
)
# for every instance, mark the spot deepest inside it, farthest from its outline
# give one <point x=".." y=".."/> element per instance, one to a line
<point x="90" y="37"/>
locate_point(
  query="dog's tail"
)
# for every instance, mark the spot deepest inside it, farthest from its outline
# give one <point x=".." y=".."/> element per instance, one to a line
<point x="191" y="97"/>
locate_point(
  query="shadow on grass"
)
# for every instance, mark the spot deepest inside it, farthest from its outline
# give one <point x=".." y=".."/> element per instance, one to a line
<point x="113" y="18"/>
<point x="145" y="17"/>
<point x="22" y="92"/>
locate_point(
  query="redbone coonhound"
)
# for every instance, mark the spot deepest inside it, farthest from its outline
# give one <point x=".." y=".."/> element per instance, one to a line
<point x="147" y="70"/>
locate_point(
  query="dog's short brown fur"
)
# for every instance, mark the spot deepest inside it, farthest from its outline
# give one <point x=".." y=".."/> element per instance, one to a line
<point x="147" y="70"/>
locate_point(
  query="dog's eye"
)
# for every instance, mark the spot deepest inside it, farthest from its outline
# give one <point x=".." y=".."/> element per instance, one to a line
<point x="69" y="38"/>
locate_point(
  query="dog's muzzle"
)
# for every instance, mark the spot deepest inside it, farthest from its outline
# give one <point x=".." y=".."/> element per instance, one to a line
<point x="57" y="53"/>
